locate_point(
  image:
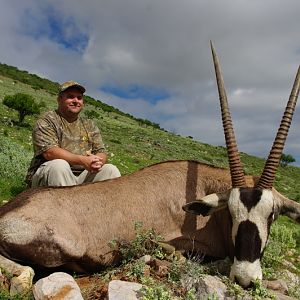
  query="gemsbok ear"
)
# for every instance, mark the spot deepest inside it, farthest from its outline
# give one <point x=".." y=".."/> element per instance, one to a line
<point x="208" y="204"/>
<point x="196" y="208"/>
<point x="291" y="209"/>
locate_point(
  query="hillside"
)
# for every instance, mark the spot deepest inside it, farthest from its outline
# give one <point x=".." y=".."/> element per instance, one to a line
<point x="131" y="142"/>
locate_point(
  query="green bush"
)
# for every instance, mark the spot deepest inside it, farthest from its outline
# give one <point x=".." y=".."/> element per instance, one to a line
<point x="92" y="114"/>
<point x="286" y="159"/>
<point x="154" y="291"/>
<point x="145" y="242"/>
<point x="136" y="269"/>
<point x="24" y="104"/>
<point x="14" y="161"/>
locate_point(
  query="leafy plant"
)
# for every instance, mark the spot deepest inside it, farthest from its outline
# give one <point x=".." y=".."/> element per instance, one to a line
<point x="24" y="104"/>
<point x="175" y="272"/>
<point x="194" y="269"/>
<point x="145" y="242"/>
<point x="136" y="269"/>
<point x="4" y="295"/>
<point x="154" y="291"/>
<point x="259" y="292"/>
<point x="191" y="295"/>
<point x="234" y="289"/>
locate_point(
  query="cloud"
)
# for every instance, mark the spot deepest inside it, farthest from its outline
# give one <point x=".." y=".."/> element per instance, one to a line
<point x="152" y="59"/>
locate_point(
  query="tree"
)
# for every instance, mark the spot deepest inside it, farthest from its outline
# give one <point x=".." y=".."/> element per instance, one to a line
<point x="24" y="104"/>
<point x="286" y="159"/>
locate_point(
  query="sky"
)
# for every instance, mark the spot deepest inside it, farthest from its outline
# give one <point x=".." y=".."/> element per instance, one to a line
<point x="152" y="59"/>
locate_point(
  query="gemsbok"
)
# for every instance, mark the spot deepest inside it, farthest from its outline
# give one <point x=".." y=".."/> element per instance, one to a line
<point x="72" y="226"/>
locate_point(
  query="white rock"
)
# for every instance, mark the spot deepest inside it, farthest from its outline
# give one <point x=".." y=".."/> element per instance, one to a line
<point x="23" y="282"/>
<point x="58" y="285"/>
<point x="123" y="290"/>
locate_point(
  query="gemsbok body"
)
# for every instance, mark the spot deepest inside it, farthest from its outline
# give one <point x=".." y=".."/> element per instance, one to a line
<point x="73" y="226"/>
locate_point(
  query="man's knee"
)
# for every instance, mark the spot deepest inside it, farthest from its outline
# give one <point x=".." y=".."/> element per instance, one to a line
<point x="111" y="170"/>
<point x="108" y="171"/>
<point x="58" y="166"/>
<point x="55" y="172"/>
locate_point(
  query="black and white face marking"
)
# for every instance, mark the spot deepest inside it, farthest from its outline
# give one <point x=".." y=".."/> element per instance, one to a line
<point x="250" y="209"/>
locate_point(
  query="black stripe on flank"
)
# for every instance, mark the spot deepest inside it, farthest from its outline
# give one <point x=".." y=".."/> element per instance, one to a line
<point x="247" y="242"/>
<point x="250" y="197"/>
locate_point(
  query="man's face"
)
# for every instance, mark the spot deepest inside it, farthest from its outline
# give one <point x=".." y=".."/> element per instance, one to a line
<point x="70" y="102"/>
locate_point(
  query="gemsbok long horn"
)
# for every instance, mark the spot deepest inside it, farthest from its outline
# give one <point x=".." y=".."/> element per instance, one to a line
<point x="235" y="165"/>
<point x="268" y="175"/>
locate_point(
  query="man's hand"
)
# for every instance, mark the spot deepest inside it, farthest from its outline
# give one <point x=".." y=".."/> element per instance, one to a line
<point x="92" y="163"/>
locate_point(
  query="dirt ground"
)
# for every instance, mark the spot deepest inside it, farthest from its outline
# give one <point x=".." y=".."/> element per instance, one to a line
<point x="92" y="288"/>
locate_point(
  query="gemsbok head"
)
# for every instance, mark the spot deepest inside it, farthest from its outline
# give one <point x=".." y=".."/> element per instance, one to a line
<point x="252" y="209"/>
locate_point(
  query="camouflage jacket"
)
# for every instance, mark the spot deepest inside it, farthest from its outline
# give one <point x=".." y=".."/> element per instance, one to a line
<point x="52" y="130"/>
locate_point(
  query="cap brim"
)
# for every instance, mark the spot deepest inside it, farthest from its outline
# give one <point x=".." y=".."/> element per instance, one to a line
<point x="80" y="87"/>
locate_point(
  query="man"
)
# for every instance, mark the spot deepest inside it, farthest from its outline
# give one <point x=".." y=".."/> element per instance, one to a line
<point x="68" y="149"/>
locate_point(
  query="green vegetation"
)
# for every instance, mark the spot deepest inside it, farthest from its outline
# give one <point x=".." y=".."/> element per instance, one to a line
<point x="169" y="285"/>
<point x="281" y="245"/>
<point x="257" y="292"/>
<point x="24" y="104"/>
<point x="153" y="291"/>
<point x="133" y="144"/>
<point x="286" y="159"/>
<point x="145" y="242"/>
<point x="4" y="295"/>
<point x="35" y="81"/>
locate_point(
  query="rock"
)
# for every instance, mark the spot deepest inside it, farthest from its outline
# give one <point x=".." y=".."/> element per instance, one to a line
<point x="276" y="285"/>
<point x="221" y="266"/>
<point x="210" y="285"/>
<point x="280" y="296"/>
<point x="23" y="282"/>
<point x="146" y="259"/>
<point x="58" y="286"/>
<point x="161" y="267"/>
<point x="123" y="290"/>
<point x="207" y="286"/>
<point x="292" y="280"/>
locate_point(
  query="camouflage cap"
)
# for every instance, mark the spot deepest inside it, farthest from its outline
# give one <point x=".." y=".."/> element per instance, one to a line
<point x="68" y="84"/>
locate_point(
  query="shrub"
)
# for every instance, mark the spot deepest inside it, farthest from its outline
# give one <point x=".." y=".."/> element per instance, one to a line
<point x="145" y="242"/>
<point x="92" y="114"/>
<point x="14" y="161"/>
<point x="154" y="291"/>
<point x="286" y="159"/>
<point x="24" y="104"/>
